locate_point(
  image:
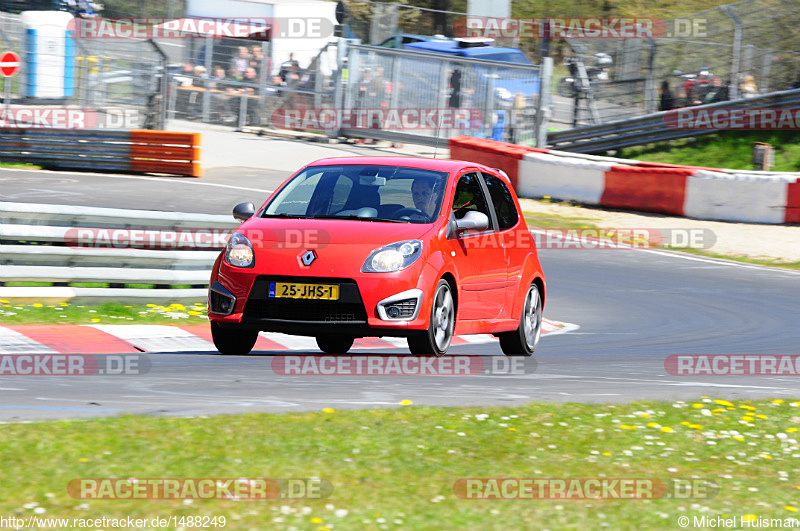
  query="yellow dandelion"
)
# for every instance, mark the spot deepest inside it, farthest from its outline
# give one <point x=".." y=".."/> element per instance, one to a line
<point x="646" y="415"/>
<point x="747" y="418"/>
<point x="84" y="459"/>
<point x="718" y="410"/>
<point x="697" y="406"/>
<point x="749" y="518"/>
<point x="609" y="453"/>
<point x="778" y="401"/>
<point x="512" y="429"/>
<point x="95" y="320"/>
<point x="762" y="417"/>
<point x="696" y="426"/>
<point x="739" y="438"/>
<point x="766" y="456"/>
<point x="686" y="423"/>
<point x="406" y="402"/>
<point x="153" y="306"/>
<point x="316" y="520"/>
<point x="723" y="402"/>
<point x="63" y="304"/>
<point x="666" y="429"/>
<point x="328" y="410"/>
<point x="750" y="408"/>
<point x="5" y="302"/>
<point x="38" y="305"/>
<point x="790" y="508"/>
<point x="653" y="425"/>
<point x="791" y="430"/>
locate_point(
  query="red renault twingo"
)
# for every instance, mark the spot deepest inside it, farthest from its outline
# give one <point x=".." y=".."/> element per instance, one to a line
<point x="381" y="246"/>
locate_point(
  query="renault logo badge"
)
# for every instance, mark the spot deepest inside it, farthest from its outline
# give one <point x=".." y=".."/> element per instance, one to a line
<point x="308" y="258"/>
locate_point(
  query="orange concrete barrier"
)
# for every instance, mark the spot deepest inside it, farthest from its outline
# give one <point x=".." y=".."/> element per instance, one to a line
<point x="166" y="152"/>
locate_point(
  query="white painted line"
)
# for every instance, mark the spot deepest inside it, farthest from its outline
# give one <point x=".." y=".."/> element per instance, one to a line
<point x="292" y="342"/>
<point x="12" y="342"/>
<point x="158" y="338"/>
<point x="139" y="177"/>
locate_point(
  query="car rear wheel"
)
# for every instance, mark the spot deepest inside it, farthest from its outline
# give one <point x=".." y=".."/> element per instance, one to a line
<point x="436" y="339"/>
<point x="233" y="341"/>
<point x="334" y="344"/>
<point x="523" y="341"/>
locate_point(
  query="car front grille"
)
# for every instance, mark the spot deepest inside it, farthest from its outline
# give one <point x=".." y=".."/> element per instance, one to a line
<point x="348" y="309"/>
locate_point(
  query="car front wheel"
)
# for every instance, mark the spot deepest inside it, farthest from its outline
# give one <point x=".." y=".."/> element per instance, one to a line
<point x="334" y="344"/>
<point x="523" y="341"/>
<point x="233" y="341"/>
<point x="436" y="339"/>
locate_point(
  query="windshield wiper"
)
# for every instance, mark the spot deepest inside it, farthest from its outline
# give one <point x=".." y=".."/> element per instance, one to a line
<point x="292" y="216"/>
<point x="359" y="218"/>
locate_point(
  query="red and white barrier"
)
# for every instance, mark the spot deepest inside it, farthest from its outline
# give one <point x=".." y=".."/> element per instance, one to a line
<point x="702" y="193"/>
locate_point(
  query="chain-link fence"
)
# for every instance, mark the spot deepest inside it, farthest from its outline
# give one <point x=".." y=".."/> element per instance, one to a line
<point x="734" y="51"/>
<point x="438" y="97"/>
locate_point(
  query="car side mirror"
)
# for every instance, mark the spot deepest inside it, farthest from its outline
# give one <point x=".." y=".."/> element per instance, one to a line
<point x="243" y="211"/>
<point x="473" y="220"/>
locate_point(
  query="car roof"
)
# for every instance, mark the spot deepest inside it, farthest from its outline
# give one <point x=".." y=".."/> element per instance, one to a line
<point x="446" y="165"/>
<point x="452" y="47"/>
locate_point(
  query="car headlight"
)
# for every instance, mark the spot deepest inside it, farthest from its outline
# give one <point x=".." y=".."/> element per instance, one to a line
<point x="239" y="251"/>
<point x="393" y="257"/>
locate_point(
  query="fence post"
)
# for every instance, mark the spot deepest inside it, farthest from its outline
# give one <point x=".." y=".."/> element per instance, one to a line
<point x="209" y="56"/>
<point x="543" y="105"/>
<point x="649" y="83"/>
<point x="733" y="87"/>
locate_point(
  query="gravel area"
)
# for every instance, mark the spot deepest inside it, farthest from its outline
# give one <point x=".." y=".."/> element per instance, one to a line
<point x="770" y="242"/>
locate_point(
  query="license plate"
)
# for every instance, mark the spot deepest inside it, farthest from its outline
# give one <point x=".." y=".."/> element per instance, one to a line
<point x="290" y="290"/>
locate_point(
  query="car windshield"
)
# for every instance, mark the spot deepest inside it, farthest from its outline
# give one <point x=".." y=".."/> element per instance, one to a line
<point x="362" y="192"/>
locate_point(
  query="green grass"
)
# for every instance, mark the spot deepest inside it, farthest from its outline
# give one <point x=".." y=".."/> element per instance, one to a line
<point x="554" y="221"/>
<point x="395" y="469"/>
<point x="19" y="166"/>
<point x="105" y="313"/>
<point x="727" y="149"/>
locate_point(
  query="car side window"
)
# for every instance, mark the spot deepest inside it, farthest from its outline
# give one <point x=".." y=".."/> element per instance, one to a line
<point x="469" y="197"/>
<point x="504" y="206"/>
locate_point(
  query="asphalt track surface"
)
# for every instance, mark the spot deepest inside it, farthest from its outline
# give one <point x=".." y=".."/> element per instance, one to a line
<point x="634" y="308"/>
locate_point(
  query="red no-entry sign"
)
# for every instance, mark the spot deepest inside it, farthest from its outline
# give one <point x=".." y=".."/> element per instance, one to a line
<point x="9" y="64"/>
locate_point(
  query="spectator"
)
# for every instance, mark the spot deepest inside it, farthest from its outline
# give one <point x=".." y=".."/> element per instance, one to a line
<point x="455" y="88"/>
<point x="199" y="76"/>
<point x="667" y="101"/>
<point x="290" y="66"/>
<point x="240" y="62"/>
<point x="217" y="75"/>
<point x="748" y="87"/>
<point x="716" y="92"/>
<point x="688" y="90"/>
<point x="256" y="58"/>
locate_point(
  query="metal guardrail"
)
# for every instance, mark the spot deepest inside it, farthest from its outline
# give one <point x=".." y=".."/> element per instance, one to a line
<point x="38" y="244"/>
<point x="653" y="127"/>
<point x="106" y="150"/>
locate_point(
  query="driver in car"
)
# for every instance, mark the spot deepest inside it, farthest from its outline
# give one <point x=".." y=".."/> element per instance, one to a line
<point x="424" y="197"/>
